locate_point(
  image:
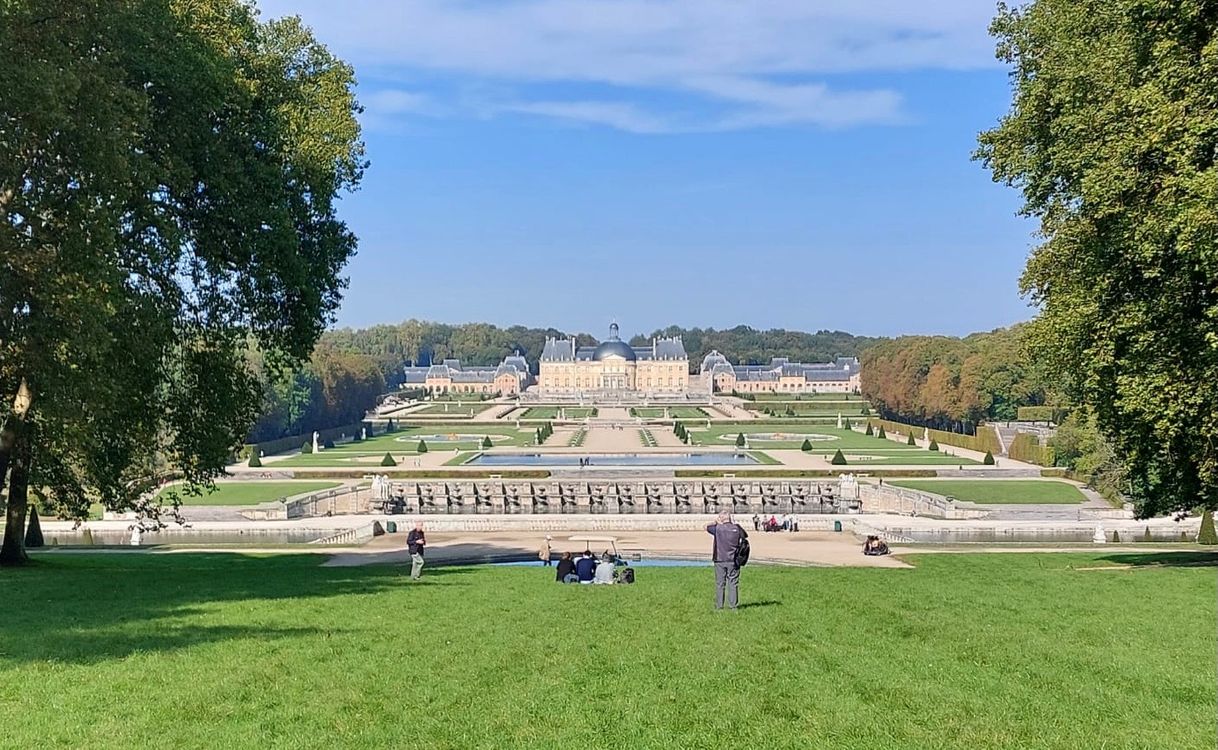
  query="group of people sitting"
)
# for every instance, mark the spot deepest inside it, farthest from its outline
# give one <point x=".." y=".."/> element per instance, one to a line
<point x="588" y="569"/>
<point x="788" y="522"/>
<point x="874" y="546"/>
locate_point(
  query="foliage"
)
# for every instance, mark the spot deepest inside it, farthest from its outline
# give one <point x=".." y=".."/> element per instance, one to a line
<point x="388" y="460"/>
<point x="33" y="532"/>
<point x="255" y="461"/>
<point x="740" y="441"/>
<point x="1026" y="447"/>
<point x="909" y="440"/>
<point x="1111" y="138"/>
<point x="986" y="438"/>
<point x="332" y="389"/>
<point x="951" y="383"/>
<point x="486" y="442"/>
<point x="1207" y="535"/>
<point x="934" y="446"/>
<point x="422" y="447"/>
<point x="807" y="446"/>
<point x="306" y="447"/>
<point x="1042" y="413"/>
<point x="882" y="434"/>
<point x="989" y="459"/>
<point x="869" y="431"/>
<point x="1079" y="447"/>
<point x="168" y="183"/>
<point x="838" y="458"/>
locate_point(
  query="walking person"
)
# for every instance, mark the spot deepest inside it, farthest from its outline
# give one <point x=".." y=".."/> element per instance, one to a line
<point x="544" y="551"/>
<point x="415" y="542"/>
<point x="730" y="538"/>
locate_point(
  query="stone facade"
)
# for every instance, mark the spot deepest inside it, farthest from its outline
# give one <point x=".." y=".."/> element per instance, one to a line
<point x="614" y="366"/>
<point x="781" y="376"/>
<point x="508" y="378"/>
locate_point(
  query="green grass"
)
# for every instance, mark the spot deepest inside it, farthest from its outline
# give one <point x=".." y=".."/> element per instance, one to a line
<point x="250" y="492"/>
<point x="850" y="397"/>
<point x="968" y="652"/>
<point x="449" y="409"/>
<point x="673" y="412"/>
<point x="552" y="412"/>
<point x="765" y="458"/>
<point x="406" y="440"/>
<point x="1001" y="491"/>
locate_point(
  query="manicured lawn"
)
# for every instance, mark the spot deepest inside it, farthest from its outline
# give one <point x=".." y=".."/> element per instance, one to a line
<point x="673" y="412"/>
<point x="851" y="397"/>
<point x="995" y="491"/>
<point x="405" y="441"/>
<point x="453" y="410"/>
<point x="250" y="492"/>
<point x="968" y="652"/>
<point x="552" y="412"/>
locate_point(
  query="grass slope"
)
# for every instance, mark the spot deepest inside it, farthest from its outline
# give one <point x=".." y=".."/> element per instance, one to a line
<point x="976" y="652"/>
<point x="1000" y="491"/>
<point x="250" y="493"/>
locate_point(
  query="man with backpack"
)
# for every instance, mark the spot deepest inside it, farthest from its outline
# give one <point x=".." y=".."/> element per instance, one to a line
<point x="731" y="552"/>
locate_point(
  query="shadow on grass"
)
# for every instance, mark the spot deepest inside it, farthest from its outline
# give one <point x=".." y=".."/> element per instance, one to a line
<point x="86" y="609"/>
<point x="763" y="603"/>
<point x="1184" y="559"/>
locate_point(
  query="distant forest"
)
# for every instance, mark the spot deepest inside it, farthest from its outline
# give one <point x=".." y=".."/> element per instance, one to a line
<point x="938" y="380"/>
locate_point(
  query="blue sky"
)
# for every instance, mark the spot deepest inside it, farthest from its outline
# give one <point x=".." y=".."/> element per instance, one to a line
<point x="776" y="163"/>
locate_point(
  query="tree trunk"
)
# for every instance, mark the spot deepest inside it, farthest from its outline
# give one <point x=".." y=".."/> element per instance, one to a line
<point x="12" y="428"/>
<point x="13" y="550"/>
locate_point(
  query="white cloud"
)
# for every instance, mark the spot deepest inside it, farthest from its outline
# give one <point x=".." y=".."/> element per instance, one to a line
<point x="744" y="63"/>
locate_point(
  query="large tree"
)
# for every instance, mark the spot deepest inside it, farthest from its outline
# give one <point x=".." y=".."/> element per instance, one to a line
<point x="168" y="177"/>
<point x="1112" y="137"/>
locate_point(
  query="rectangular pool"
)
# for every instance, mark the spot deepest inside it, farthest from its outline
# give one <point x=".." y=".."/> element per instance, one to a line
<point x="594" y="460"/>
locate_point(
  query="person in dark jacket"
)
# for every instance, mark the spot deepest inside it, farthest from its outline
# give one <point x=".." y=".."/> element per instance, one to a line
<point x="415" y="542"/>
<point x="565" y="569"/>
<point x="728" y="536"/>
<point x="585" y="567"/>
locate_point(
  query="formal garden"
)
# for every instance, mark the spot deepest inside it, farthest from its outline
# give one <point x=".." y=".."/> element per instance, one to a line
<point x="410" y="440"/>
<point x="244" y="492"/>
<point x="964" y="651"/>
<point x="999" y="491"/>
<point x="822" y="440"/>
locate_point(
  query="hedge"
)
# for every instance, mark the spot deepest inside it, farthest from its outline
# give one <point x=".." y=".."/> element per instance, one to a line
<point x="1026" y="447"/>
<point x="1042" y="413"/>
<point x="426" y="474"/>
<point x="292" y="442"/>
<point x="1207" y="534"/>
<point x="800" y="473"/>
<point x="986" y="438"/>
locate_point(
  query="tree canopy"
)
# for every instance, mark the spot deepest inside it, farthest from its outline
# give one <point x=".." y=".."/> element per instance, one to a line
<point x="1112" y="137"/>
<point x="168" y="178"/>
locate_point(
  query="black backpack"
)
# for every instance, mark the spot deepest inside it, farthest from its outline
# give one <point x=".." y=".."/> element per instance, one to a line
<point x="742" y="552"/>
<point x="628" y="575"/>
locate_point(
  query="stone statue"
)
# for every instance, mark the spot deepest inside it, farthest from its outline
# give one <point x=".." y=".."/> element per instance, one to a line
<point x="316" y="447"/>
<point x="1098" y="536"/>
<point x="839" y="420"/>
<point x="363" y="433"/>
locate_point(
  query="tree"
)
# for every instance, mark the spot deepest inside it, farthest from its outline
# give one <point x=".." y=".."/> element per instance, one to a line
<point x="740" y="442"/>
<point x="33" y="533"/>
<point x="389" y="427"/>
<point x="255" y="461"/>
<point x="807" y="446"/>
<point x="988" y="460"/>
<point x="422" y="447"/>
<point x="306" y="447"/>
<point x="168" y="176"/>
<point x="1111" y="139"/>
<point x="846" y="424"/>
<point x="881" y="434"/>
<point x="388" y="460"/>
<point x="486" y="442"/>
<point x="934" y="446"/>
<point x="1207" y="534"/>
<point x="869" y="432"/>
<point x="909" y="440"/>
<point x="838" y="459"/>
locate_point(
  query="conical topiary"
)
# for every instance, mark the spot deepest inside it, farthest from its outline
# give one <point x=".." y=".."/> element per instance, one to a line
<point x="388" y="460"/>
<point x="1116" y="535"/>
<point x="807" y="446"/>
<point x="307" y="447"/>
<point x="254" y="462"/>
<point x="486" y="441"/>
<point x="933" y="445"/>
<point x="1146" y="537"/>
<point x="910" y="440"/>
<point x="989" y="459"/>
<point x="881" y="434"/>
<point x="1207" y="534"/>
<point x="422" y="447"/>
<point x="869" y="432"/>
<point x="33" y="532"/>
<point x="838" y="458"/>
<point x="740" y="440"/>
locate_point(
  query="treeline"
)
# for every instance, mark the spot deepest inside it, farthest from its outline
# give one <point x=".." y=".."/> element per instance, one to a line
<point x="749" y="346"/>
<point x="953" y="383"/>
<point x="333" y="388"/>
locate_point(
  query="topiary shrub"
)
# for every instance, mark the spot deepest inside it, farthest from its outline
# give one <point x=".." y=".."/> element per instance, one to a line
<point x="255" y="462"/>
<point x="306" y="448"/>
<point x="989" y="459"/>
<point x="33" y="532"/>
<point x="486" y="442"/>
<point x="1207" y="534"/>
<point x="910" y="440"/>
<point x="881" y="434"/>
<point x="838" y="459"/>
<point x="422" y="447"/>
<point x="1116" y="535"/>
<point x="933" y="445"/>
<point x="740" y="440"/>
<point x="807" y="446"/>
<point x="1146" y="537"/>
<point x="869" y="432"/>
<point x="846" y="424"/>
<point x="328" y="444"/>
<point x="389" y="427"/>
<point x="388" y="460"/>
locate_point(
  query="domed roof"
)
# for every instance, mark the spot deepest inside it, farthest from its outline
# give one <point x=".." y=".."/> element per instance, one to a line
<point x="614" y="347"/>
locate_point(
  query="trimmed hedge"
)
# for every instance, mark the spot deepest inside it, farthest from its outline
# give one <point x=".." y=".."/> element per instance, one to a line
<point x="1042" y="413"/>
<point x="986" y="438"/>
<point x="799" y="473"/>
<point x="989" y="459"/>
<point x="1207" y="534"/>
<point x="426" y="474"/>
<point x="292" y="442"/>
<point x="807" y="446"/>
<point x="933" y="445"/>
<point x="388" y="460"/>
<point x="838" y="459"/>
<point x="1026" y="447"/>
<point x="33" y="532"/>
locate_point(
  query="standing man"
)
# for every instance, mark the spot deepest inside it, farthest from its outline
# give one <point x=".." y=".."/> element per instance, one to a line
<point x="415" y="542"/>
<point x="544" y="551"/>
<point x="728" y="537"/>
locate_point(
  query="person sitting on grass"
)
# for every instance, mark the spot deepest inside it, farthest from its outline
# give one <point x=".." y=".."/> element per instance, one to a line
<point x="565" y="570"/>
<point x="604" y="570"/>
<point x="585" y="567"/>
<point x="874" y="546"/>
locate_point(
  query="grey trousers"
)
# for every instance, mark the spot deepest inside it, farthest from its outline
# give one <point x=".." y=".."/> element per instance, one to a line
<point x="416" y="569"/>
<point x="727" y="578"/>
